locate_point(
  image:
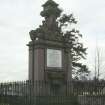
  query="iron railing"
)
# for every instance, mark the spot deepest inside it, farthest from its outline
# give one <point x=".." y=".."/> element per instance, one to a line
<point x="52" y="93"/>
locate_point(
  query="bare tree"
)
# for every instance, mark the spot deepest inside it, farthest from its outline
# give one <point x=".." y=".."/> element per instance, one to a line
<point x="99" y="64"/>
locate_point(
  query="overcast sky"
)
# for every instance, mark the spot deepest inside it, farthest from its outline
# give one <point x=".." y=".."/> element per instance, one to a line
<point x="18" y="17"/>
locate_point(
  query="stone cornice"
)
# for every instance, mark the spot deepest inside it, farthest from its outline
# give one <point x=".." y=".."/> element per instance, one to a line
<point x="47" y="44"/>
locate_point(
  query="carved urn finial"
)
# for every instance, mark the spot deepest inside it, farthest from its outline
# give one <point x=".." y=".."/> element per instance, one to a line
<point x="50" y="8"/>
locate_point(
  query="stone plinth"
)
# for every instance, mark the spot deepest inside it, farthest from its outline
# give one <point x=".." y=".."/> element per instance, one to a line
<point x="38" y="70"/>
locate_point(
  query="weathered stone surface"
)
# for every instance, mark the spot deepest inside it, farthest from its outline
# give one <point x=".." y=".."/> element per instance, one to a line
<point x="48" y="36"/>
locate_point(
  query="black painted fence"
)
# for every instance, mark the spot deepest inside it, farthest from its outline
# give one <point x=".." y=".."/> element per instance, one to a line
<point x="52" y="93"/>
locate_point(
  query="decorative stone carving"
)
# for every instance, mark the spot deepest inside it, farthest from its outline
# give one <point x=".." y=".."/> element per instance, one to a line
<point x="49" y="29"/>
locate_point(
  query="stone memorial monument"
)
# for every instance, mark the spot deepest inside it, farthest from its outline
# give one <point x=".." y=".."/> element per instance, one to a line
<point x="49" y="55"/>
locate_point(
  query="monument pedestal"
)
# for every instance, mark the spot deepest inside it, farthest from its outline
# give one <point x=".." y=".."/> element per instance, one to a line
<point x="49" y="60"/>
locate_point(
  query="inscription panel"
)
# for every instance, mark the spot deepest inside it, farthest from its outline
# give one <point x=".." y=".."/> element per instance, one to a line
<point x="54" y="58"/>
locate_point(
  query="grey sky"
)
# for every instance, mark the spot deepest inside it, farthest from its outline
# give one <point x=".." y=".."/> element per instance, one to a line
<point x="18" y="17"/>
